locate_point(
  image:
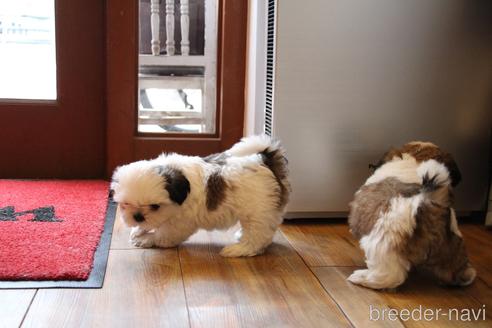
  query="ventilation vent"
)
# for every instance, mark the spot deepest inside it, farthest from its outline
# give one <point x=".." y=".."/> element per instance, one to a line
<point x="270" y="56"/>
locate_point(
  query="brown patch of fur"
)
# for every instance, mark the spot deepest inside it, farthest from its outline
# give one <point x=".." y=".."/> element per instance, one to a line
<point x="216" y="190"/>
<point x="435" y="246"/>
<point x="277" y="163"/>
<point x="420" y="151"/>
<point x="372" y="200"/>
<point x="443" y="196"/>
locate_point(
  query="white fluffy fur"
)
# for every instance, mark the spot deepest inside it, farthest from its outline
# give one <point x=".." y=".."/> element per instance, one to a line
<point x="249" y="199"/>
<point x="405" y="169"/>
<point x="251" y="145"/>
<point x="432" y="168"/>
<point x="385" y="268"/>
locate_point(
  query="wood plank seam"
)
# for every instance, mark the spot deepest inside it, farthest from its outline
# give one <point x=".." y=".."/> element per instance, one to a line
<point x="28" y="308"/>
<point x="319" y="282"/>
<point x="178" y="249"/>
<point x="330" y="295"/>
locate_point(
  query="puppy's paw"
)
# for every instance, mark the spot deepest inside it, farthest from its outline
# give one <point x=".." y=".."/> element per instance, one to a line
<point x="238" y="234"/>
<point x="136" y="232"/>
<point x="240" y="249"/>
<point x="358" y="277"/>
<point x="145" y="240"/>
<point x="467" y="276"/>
<point x="367" y="279"/>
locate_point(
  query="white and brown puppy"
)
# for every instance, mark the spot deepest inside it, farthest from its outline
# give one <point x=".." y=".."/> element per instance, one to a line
<point x="403" y="217"/>
<point x="167" y="199"/>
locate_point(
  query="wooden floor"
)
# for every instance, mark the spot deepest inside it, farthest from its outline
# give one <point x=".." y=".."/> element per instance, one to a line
<point x="299" y="282"/>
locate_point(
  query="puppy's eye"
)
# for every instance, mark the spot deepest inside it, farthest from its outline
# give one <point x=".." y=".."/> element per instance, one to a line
<point x="155" y="207"/>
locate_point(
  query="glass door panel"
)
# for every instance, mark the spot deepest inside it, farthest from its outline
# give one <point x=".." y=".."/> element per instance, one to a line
<point x="27" y="49"/>
<point x="177" y="66"/>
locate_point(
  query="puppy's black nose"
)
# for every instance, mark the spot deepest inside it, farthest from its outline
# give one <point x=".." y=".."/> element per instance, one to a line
<point x="138" y="217"/>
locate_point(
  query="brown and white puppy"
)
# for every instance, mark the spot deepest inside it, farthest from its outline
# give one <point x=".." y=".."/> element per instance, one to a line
<point x="167" y="199"/>
<point x="403" y="217"/>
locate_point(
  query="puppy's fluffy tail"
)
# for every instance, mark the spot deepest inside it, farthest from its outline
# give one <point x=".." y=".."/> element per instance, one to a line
<point x="272" y="155"/>
<point x="252" y="145"/>
<point x="435" y="181"/>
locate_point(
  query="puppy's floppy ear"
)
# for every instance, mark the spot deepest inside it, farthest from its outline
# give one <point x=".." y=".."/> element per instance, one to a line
<point x="176" y="185"/>
<point x="388" y="156"/>
<point x="114" y="182"/>
<point x="454" y="171"/>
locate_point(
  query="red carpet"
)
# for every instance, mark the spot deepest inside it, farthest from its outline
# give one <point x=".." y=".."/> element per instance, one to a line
<point x="49" y="230"/>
